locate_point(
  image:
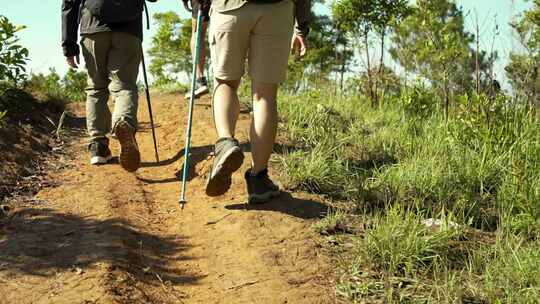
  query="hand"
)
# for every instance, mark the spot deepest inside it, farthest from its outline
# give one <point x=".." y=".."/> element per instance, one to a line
<point x="73" y="61"/>
<point x="186" y="5"/>
<point x="299" y="45"/>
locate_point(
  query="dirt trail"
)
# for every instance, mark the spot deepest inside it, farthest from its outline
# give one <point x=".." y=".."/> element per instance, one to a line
<point x="108" y="236"/>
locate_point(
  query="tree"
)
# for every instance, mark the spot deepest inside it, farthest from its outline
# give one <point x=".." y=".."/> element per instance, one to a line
<point x="433" y="43"/>
<point x="363" y="18"/>
<point x="13" y="56"/>
<point x="170" y="50"/>
<point x="523" y="69"/>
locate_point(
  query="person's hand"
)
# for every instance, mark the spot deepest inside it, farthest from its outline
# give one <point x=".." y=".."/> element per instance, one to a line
<point x="186" y="5"/>
<point x="299" y="45"/>
<point x="73" y="61"/>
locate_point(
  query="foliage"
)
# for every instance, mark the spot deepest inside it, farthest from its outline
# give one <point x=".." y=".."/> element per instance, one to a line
<point x="417" y="102"/>
<point x="334" y="221"/>
<point x="390" y="83"/>
<point x="523" y="70"/>
<point x="53" y="88"/>
<point x="171" y="87"/>
<point x="74" y="84"/>
<point x="170" y="51"/>
<point x="477" y="174"/>
<point x="13" y="56"/>
<point x="362" y="18"/>
<point x="400" y="243"/>
<point x="433" y="43"/>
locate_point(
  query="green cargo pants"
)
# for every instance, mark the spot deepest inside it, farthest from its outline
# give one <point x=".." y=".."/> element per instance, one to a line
<point x="112" y="60"/>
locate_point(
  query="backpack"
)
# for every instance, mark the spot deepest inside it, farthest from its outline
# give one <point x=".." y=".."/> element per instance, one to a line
<point x="115" y="11"/>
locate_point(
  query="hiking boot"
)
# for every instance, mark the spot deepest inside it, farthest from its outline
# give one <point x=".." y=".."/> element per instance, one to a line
<point x="201" y="88"/>
<point x="99" y="153"/>
<point x="130" y="158"/>
<point x="260" y="187"/>
<point x="228" y="157"/>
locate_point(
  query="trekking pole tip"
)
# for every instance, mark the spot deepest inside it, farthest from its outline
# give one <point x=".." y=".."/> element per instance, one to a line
<point x="182" y="204"/>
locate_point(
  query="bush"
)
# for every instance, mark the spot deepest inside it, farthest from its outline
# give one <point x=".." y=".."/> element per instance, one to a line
<point x="513" y="275"/>
<point x="13" y="56"/>
<point x="171" y="87"/>
<point x="74" y="85"/>
<point x="399" y="243"/>
<point x="52" y="88"/>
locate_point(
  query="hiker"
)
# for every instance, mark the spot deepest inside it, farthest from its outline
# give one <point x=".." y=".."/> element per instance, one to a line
<point x="193" y="6"/>
<point x="260" y="31"/>
<point x="111" y="37"/>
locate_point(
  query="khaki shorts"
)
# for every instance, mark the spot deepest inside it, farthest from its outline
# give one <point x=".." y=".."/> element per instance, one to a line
<point x="260" y="32"/>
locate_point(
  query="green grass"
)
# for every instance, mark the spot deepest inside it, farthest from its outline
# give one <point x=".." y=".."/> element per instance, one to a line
<point x="401" y="164"/>
<point x="334" y="222"/>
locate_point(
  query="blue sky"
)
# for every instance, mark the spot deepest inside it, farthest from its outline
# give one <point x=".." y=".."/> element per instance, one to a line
<point x="42" y="18"/>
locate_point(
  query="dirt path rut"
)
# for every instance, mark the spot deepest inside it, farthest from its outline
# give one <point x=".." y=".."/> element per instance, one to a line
<point x="108" y="236"/>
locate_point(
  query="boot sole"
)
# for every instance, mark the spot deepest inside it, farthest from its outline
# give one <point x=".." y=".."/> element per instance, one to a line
<point x="220" y="183"/>
<point x="100" y="160"/>
<point x="130" y="157"/>
<point x="198" y="93"/>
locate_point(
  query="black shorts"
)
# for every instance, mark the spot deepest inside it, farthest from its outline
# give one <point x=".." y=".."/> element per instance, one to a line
<point x="195" y="11"/>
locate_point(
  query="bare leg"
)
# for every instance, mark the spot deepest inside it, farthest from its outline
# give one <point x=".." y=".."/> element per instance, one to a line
<point x="264" y="124"/>
<point x="202" y="58"/>
<point x="226" y="107"/>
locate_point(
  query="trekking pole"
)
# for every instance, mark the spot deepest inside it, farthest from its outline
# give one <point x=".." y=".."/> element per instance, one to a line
<point x="190" y="113"/>
<point x="145" y="76"/>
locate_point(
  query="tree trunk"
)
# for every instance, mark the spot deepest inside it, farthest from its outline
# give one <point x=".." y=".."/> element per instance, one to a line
<point x="368" y="61"/>
<point x="342" y="74"/>
<point x="446" y="97"/>
<point x="381" y="65"/>
<point x="477" y="60"/>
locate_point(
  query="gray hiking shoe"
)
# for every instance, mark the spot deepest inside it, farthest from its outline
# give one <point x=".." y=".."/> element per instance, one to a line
<point x="260" y="187"/>
<point x="201" y="88"/>
<point x="99" y="153"/>
<point x="228" y="158"/>
<point x="130" y="157"/>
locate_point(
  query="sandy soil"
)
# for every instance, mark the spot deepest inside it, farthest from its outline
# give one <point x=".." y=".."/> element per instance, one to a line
<point x="103" y="235"/>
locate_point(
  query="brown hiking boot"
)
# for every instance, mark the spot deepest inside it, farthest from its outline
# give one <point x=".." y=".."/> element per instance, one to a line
<point x="130" y="157"/>
<point x="228" y="158"/>
<point x="260" y="187"/>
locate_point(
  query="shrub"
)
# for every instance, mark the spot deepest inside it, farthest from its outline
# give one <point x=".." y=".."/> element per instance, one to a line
<point x="399" y="243"/>
<point x="13" y="56"/>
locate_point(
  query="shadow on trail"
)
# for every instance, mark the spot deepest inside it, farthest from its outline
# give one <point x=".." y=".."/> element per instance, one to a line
<point x="146" y="127"/>
<point x="43" y="242"/>
<point x="198" y="154"/>
<point x="287" y="204"/>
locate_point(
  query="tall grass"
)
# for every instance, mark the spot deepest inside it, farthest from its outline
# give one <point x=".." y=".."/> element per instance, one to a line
<point x="403" y="163"/>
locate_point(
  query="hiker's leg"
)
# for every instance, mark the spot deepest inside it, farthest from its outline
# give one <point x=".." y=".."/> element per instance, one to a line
<point x="226" y="107"/>
<point x="268" y="56"/>
<point x="124" y="60"/>
<point x="95" y="50"/>
<point x="264" y="124"/>
<point x="229" y="34"/>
